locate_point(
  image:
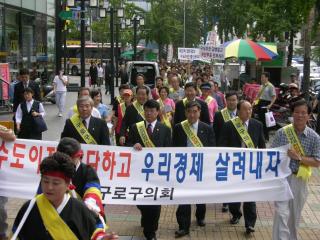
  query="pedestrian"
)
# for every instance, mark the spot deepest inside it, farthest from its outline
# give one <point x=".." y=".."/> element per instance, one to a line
<point x="18" y="96"/>
<point x="211" y="102"/>
<point x="155" y="91"/>
<point x="140" y="80"/>
<point x="60" y="82"/>
<point x="217" y="95"/>
<point x="93" y="73"/>
<point x="127" y="97"/>
<point x="167" y="107"/>
<point x="176" y="92"/>
<point x="54" y="214"/>
<point x="149" y="133"/>
<point x="223" y="116"/>
<point x="191" y="133"/>
<point x="84" y="127"/>
<point x="25" y="116"/>
<point x="304" y="153"/>
<point x="190" y="95"/>
<point x="6" y="135"/>
<point x="243" y="132"/>
<point x="100" y="74"/>
<point x="85" y="179"/>
<point x="264" y="100"/>
<point x="104" y="111"/>
<point x="134" y="113"/>
<point x="83" y="91"/>
<point x="224" y="80"/>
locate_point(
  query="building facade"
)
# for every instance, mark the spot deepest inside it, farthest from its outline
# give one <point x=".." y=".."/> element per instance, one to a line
<point x="27" y="35"/>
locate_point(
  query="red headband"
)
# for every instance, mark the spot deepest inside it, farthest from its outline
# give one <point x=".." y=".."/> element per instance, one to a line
<point x="78" y="154"/>
<point x="58" y="174"/>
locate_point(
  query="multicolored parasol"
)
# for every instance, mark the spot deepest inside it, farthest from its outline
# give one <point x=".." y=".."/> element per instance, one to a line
<point x="245" y="49"/>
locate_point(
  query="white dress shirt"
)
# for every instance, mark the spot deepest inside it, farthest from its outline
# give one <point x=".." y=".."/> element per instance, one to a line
<point x="19" y="113"/>
<point x="194" y="128"/>
<point x="95" y="113"/>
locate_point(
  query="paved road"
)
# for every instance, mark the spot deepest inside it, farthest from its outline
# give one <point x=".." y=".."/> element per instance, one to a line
<point x="125" y="220"/>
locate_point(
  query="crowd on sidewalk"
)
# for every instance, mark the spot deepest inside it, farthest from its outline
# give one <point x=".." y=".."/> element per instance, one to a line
<point x="186" y="108"/>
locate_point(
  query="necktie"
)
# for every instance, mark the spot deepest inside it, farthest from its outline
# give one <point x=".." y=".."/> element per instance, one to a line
<point x="84" y="123"/>
<point x="149" y="129"/>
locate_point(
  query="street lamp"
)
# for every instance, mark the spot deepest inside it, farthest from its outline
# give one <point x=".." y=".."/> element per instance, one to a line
<point x="93" y="4"/>
<point x="137" y="21"/>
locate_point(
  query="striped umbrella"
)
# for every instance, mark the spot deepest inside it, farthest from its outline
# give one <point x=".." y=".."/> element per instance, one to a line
<point x="245" y="49"/>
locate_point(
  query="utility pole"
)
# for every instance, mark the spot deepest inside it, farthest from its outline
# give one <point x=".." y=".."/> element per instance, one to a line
<point x="112" y="55"/>
<point x="58" y="42"/>
<point x="82" y="49"/>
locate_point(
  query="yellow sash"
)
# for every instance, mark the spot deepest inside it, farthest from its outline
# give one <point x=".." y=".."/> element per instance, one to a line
<point x="185" y="101"/>
<point x="119" y="99"/>
<point x="193" y="138"/>
<point x="225" y="114"/>
<point x="139" y="108"/>
<point x="304" y="171"/>
<point x="144" y="134"/>
<point x="209" y="99"/>
<point x="260" y="93"/>
<point x="237" y="123"/>
<point x="123" y="108"/>
<point x="55" y="225"/>
<point x="82" y="130"/>
<point x="165" y="116"/>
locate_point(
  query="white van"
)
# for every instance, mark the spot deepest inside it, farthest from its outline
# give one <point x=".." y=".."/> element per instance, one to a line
<point x="150" y="70"/>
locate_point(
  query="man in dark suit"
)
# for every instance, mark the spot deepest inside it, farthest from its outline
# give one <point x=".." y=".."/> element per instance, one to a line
<point x="229" y="137"/>
<point x="19" y="88"/>
<point x="190" y="90"/>
<point x="84" y="127"/>
<point x="230" y="111"/>
<point x="160" y="136"/>
<point x="225" y="114"/>
<point x="180" y="138"/>
<point x="132" y="114"/>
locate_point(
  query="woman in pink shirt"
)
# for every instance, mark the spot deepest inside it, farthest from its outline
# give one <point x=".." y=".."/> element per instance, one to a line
<point x="167" y="106"/>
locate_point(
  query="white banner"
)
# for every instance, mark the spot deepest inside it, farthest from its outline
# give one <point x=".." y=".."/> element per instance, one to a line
<point x="188" y="54"/>
<point x="211" y="52"/>
<point x="159" y="175"/>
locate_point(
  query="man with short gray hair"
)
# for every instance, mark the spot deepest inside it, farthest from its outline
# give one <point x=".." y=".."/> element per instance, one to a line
<point x="84" y="127"/>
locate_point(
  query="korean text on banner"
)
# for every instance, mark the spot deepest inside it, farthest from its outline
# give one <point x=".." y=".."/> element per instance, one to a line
<point x="158" y="175"/>
<point x="188" y="54"/>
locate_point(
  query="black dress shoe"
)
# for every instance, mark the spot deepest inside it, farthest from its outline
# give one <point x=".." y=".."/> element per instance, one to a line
<point x="235" y="220"/>
<point x="225" y="208"/>
<point x="181" y="233"/>
<point x="250" y="230"/>
<point x="152" y="238"/>
<point x="201" y="223"/>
